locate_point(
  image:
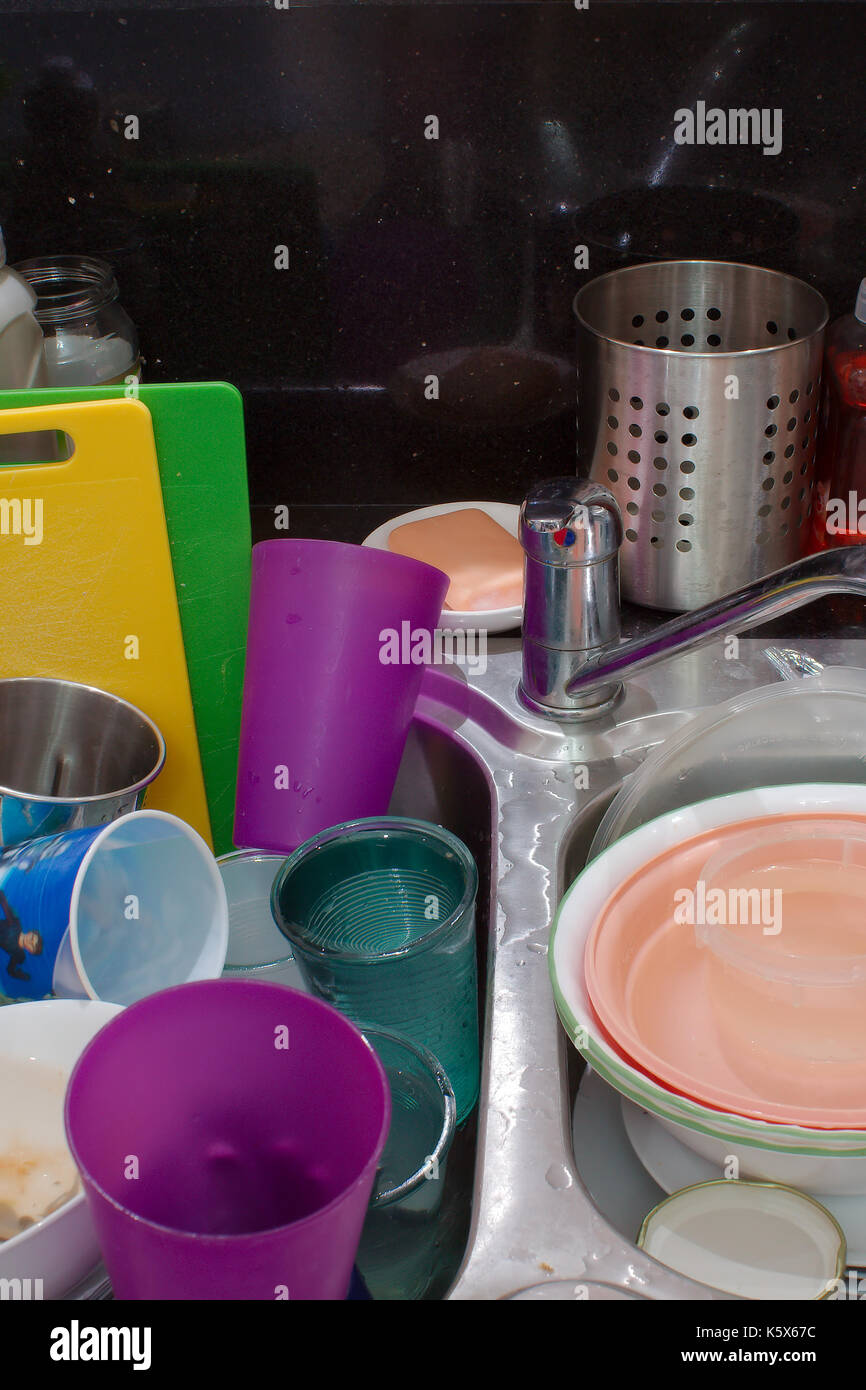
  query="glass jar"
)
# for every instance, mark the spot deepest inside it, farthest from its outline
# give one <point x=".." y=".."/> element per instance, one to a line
<point x="89" y="338"/>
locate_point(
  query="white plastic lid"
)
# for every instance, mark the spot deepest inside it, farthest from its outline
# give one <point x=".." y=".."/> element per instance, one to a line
<point x="756" y="1240"/>
<point x="256" y="946"/>
<point x="860" y="306"/>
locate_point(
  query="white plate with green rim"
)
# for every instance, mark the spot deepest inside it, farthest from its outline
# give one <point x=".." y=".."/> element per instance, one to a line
<point x="574" y="918"/>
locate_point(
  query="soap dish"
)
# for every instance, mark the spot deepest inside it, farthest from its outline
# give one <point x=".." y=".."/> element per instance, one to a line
<point x="507" y="515"/>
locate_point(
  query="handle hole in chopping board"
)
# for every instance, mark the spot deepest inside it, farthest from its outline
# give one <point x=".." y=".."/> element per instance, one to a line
<point x="46" y="446"/>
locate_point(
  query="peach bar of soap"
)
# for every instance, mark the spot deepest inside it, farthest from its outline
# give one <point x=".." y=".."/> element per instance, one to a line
<point x="483" y="561"/>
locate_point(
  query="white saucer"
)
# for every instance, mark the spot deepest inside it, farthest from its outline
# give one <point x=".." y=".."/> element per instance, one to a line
<point x="674" y="1167"/>
<point x="507" y="514"/>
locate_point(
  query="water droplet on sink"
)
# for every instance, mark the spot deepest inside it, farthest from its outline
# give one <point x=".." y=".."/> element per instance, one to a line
<point x="558" y="1176"/>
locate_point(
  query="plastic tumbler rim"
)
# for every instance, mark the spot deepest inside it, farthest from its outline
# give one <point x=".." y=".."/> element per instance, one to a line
<point x="106" y="833"/>
<point x="369" y="825"/>
<point x="368" y="556"/>
<point x="449" y="1123"/>
<point x="241" y="1237"/>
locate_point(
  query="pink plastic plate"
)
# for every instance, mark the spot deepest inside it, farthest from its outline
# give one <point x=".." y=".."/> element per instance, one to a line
<point x="649" y="983"/>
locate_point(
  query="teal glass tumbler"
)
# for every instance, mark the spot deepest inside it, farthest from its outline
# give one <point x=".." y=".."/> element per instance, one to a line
<point x="400" y="1250"/>
<point x="380" y="914"/>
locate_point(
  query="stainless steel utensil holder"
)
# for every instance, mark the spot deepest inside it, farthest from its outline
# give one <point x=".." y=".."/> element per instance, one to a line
<point x="698" y="394"/>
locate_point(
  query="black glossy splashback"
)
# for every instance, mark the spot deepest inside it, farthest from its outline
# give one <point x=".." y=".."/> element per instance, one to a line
<point x="306" y="128"/>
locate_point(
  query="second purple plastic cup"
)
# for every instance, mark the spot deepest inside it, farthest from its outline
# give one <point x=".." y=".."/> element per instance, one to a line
<point x="338" y="639"/>
<point x="227" y="1133"/>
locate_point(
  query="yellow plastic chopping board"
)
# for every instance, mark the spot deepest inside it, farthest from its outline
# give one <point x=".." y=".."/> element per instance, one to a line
<point x="86" y="582"/>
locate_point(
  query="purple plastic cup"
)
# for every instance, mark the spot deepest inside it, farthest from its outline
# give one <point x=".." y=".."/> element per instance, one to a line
<point x="227" y="1133"/>
<point x="338" y="636"/>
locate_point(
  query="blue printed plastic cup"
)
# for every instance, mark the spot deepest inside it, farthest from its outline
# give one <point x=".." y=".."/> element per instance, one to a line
<point x="113" y="913"/>
<point x="381" y="917"/>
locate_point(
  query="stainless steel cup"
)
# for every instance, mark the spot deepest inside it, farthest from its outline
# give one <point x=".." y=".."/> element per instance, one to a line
<point x="71" y="756"/>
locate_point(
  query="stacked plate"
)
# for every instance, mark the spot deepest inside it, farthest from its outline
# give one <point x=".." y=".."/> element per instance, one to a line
<point x="711" y="966"/>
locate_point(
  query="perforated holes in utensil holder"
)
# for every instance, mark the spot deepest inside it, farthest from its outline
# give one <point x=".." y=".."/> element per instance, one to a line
<point x="786" y="466"/>
<point x="673" y="427"/>
<point x="685" y="442"/>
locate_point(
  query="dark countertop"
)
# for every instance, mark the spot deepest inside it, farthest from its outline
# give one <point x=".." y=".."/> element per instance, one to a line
<point x="282" y="220"/>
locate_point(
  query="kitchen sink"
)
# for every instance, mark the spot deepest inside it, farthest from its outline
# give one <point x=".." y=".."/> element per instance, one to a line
<point x="527" y="796"/>
<point x="443" y="780"/>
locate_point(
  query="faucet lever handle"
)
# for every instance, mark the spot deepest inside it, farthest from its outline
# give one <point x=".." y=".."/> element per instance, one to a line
<point x="570" y="521"/>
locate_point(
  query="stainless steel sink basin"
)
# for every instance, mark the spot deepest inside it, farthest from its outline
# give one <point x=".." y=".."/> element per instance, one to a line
<point x="527" y="796"/>
<point x="442" y="779"/>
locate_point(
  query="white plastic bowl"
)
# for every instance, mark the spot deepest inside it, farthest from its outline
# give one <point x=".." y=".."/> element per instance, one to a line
<point x="61" y="1249"/>
<point x="808" y="730"/>
<point x="829" y="1174"/>
<point x="693" y="1123"/>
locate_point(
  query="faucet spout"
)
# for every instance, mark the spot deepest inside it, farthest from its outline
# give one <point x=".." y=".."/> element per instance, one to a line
<point x="839" y="571"/>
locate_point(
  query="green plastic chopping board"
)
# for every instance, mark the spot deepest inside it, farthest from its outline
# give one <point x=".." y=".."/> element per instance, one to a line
<point x="199" y="434"/>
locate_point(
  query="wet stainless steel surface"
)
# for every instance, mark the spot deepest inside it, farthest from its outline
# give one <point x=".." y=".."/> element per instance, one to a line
<point x="532" y="1218"/>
